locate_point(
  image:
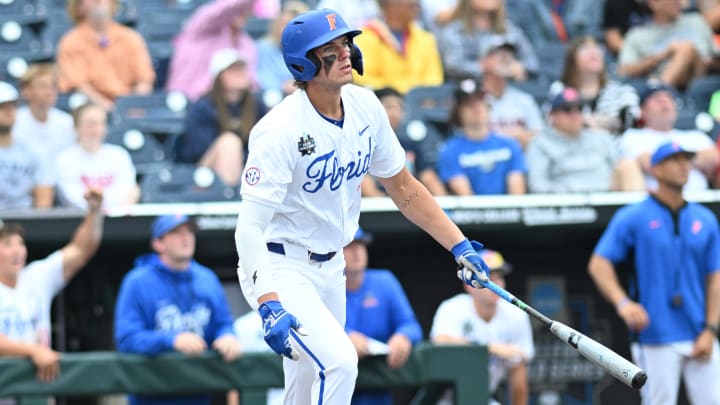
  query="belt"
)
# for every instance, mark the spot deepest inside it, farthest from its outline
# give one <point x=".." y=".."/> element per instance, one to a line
<point x="279" y="248"/>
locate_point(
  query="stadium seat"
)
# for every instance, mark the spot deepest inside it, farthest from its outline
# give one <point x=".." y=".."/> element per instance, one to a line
<point x="162" y="25"/>
<point x="184" y="183"/>
<point x="147" y="152"/>
<point x="258" y="27"/>
<point x="551" y="56"/>
<point x="24" y="11"/>
<point x="431" y="103"/>
<point x="19" y="40"/>
<point x="700" y="90"/>
<point x="158" y="112"/>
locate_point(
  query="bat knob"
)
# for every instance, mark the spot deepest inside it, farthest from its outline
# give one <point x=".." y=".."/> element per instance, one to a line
<point x="639" y="380"/>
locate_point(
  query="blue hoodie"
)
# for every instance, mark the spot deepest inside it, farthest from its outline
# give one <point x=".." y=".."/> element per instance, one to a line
<point x="155" y="304"/>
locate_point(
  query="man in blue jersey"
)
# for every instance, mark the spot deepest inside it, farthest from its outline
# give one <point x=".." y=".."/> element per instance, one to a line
<point x="476" y="160"/>
<point x="672" y="306"/>
<point x="380" y="319"/>
<point x="169" y="302"/>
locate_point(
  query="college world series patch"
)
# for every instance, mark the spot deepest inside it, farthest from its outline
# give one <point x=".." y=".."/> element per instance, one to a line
<point x="306" y="145"/>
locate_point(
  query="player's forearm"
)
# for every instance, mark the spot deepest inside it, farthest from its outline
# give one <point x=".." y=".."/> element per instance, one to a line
<point x="712" y="314"/>
<point x="603" y="274"/>
<point x="88" y="235"/>
<point x="418" y="205"/>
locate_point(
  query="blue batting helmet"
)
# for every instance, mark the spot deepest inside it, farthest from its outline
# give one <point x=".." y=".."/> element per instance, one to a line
<point x="308" y="31"/>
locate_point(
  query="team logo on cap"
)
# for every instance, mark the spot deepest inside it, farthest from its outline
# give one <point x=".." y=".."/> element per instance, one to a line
<point x="306" y="145"/>
<point x="252" y="176"/>
<point x="332" y="21"/>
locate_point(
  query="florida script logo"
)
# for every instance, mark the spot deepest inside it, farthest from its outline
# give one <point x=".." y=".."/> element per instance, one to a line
<point x="327" y="169"/>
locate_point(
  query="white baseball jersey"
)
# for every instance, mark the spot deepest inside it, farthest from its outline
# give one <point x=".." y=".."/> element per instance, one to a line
<point x="457" y="317"/>
<point x="25" y="309"/>
<point x="636" y="141"/>
<point x="310" y="170"/>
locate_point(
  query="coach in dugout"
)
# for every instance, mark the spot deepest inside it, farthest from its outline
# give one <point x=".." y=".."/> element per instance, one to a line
<point x="27" y="290"/>
<point x="672" y="305"/>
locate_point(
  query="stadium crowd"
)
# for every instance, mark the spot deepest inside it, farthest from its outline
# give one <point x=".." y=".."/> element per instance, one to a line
<point x="153" y="101"/>
<point x="489" y="96"/>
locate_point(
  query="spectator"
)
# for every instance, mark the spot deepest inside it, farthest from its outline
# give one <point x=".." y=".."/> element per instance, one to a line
<point x="27" y="290"/>
<point x="476" y="160"/>
<point x="380" y="319"/>
<point x="481" y="317"/>
<point x="421" y="147"/>
<point x="437" y="13"/>
<point x="673" y="47"/>
<point x="92" y="163"/>
<point x="513" y="112"/>
<point x="101" y="58"/>
<point x="553" y="21"/>
<point x="39" y="124"/>
<point x="397" y="52"/>
<point x="26" y="180"/>
<point x="618" y="17"/>
<point x="217" y="126"/>
<point x="474" y="24"/>
<point x="169" y="302"/>
<point x="218" y="24"/>
<point x="672" y="303"/>
<point x="356" y="13"/>
<point x="659" y="114"/>
<point x="607" y="104"/>
<point x="272" y="74"/>
<point x="568" y="158"/>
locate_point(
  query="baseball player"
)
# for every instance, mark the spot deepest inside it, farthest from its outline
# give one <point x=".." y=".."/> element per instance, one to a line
<point x="301" y="203"/>
<point x="672" y="305"/>
<point x="481" y="317"/>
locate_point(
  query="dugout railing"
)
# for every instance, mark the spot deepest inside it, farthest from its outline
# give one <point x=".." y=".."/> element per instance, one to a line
<point x="97" y="373"/>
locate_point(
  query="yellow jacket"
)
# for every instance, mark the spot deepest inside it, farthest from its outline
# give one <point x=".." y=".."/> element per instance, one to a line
<point x="385" y="65"/>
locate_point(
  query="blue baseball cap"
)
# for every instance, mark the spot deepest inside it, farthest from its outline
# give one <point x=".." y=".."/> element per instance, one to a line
<point x="568" y="97"/>
<point x="651" y="88"/>
<point x="666" y="150"/>
<point x="362" y="236"/>
<point x="166" y="223"/>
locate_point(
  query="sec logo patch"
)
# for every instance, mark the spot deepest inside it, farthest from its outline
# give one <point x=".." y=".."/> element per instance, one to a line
<point x="252" y="176"/>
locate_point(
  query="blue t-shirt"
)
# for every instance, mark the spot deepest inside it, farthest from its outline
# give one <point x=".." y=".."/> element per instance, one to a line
<point x="379" y="309"/>
<point x="673" y="254"/>
<point x="486" y="163"/>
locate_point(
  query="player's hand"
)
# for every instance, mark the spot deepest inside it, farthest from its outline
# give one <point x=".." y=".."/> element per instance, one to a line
<point x="277" y="324"/>
<point x="360" y="342"/>
<point x="399" y="348"/>
<point x="189" y="343"/>
<point x="94" y="198"/>
<point x="47" y="362"/>
<point x="634" y="315"/>
<point x="703" y="346"/>
<point x="472" y="269"/>
<point x="228" y="346"/>
<point x="506" y="351"/>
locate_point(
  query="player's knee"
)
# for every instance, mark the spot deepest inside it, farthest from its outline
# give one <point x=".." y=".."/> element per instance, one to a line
<point x="346" y="364"/>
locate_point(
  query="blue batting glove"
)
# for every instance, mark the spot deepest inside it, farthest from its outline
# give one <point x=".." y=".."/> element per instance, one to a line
<point x="472" y="269"/>
<point x="277" y="323"/>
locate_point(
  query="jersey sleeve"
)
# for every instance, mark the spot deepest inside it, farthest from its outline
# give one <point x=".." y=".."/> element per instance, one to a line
<point x="389" y="157"/>
<point x="47" y="274"/>
<point x="270" y="164"/>
<point x="403" y="316"/>
<point x="518" y="158"/>
<point x="617" y="239"/>
<point x="524" y="338"/>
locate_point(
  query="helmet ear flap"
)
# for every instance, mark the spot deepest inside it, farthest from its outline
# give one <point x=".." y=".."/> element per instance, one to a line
<point x="356" y="59"/>
<point x="315" y="61"/>
<point x="303" y="69"/>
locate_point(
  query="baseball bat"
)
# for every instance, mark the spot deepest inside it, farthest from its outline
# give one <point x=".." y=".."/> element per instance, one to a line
<point x="620" y="368"/>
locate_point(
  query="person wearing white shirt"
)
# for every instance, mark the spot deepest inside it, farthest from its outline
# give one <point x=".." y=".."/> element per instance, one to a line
<point x="93" y="163"/>
<point x="38" y="123"/>
<point x="481" y="317"/>
<point x="659" y="114"/>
